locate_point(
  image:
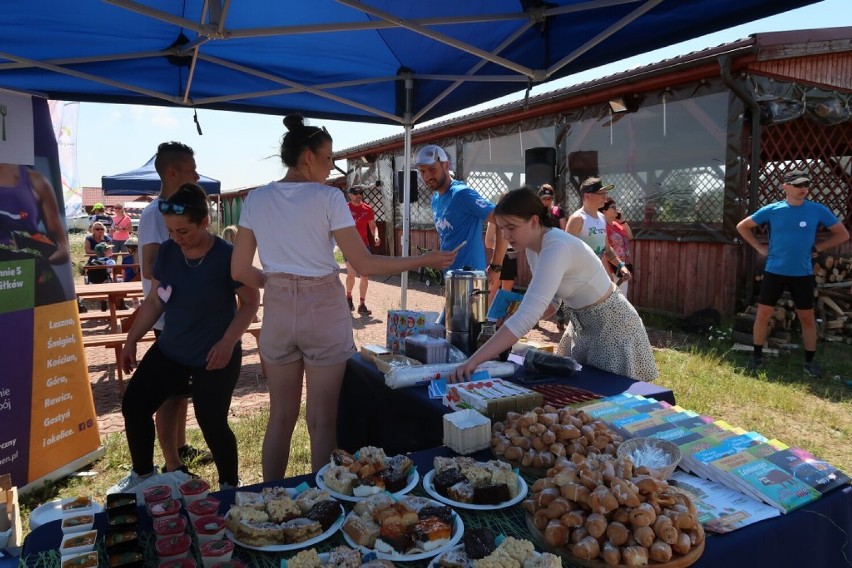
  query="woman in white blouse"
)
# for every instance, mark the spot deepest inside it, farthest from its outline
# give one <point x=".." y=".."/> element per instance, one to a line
<point x="605" y="330"/>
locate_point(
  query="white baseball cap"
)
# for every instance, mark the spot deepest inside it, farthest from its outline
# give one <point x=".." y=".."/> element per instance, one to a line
<point x="430" y="154"/>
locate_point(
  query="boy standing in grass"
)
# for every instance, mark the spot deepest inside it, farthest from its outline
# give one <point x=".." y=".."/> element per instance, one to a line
<point x="793" y="224"/>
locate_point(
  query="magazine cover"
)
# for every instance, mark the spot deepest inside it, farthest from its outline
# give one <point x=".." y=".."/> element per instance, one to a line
<point x="809" y="469"/>
<point x="777" y="487"/>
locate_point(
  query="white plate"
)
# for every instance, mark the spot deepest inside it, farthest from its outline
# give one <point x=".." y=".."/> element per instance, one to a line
<point x="434" y="563"/>
<point x="296" y="545"/>
<point x="458" y="531"/>
<point x="430" y="489"/>
<point x="413" y="478"/>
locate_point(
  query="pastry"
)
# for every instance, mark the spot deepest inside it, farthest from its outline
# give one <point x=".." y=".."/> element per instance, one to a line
<point x="368" y="505"/>
<point x="310" y="497"/>
<point x="325" y="513"/>
<point x="362" y="529"/>
<point x="431" y="533"/>
<point x="338" y="478"/>
<point x="634" y="556"/>
<point x="300" y="530"/>
<point x="446" y="479"/>
<point x="444" y="513"/>
<point x="491" y="494"/>
<point x="394" y="480"/>
<point x="343" y="557"/>
<point x="258" y="533"/>
<point x="280" y="510"/>
<point x="660" y="551"/>
<point x="478" y="543"/>
<point x="461" y="492"/>
<point x="305" y="559"/>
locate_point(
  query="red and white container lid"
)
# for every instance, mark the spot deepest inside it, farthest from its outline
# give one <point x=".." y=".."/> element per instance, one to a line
<point x="156" y="493"/>
<point x="209" y="527"/>
<point x="216" y="551"/>
<point x="168" y="509"/>
<point x="201" y="507"/>
<point x="169" y="526"/>
<point x="194" y="489"/>
<point x="174" y="547"/>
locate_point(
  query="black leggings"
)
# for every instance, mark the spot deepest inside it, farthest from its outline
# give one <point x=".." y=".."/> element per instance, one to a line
<point x="158" y="378"/>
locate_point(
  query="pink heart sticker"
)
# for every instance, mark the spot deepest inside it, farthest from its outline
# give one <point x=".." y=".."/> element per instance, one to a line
<point x="165" y="293"/>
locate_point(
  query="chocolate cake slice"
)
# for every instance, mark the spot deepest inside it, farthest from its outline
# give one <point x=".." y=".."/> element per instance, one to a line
<point x="491" y="494"/>
<point x="444" y="513"/>
<point x="394" y="480"/>
<point x="446" y="479"/>
<point x="478" y="543"/>
<point x="325" y="513"/>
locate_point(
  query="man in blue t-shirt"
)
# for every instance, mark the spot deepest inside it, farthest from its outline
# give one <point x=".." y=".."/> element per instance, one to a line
<point x="459" y="212"/>
<point x="793" y="225"/>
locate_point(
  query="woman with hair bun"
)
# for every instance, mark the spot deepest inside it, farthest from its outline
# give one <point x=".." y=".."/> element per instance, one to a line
<point x="605" y="330"/>
<point x="307" y="327"/>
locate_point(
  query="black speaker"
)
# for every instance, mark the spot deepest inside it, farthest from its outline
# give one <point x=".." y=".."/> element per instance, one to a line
<point x="540" y="167"/>
<point x="400" y="189"/>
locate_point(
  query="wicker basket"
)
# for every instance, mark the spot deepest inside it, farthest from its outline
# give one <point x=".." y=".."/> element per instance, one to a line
<point x="672" y="452"/>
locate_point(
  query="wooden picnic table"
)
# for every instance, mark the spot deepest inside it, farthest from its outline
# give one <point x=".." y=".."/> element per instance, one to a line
<point x="114" y="292"/>
<point x="115" y="268"/>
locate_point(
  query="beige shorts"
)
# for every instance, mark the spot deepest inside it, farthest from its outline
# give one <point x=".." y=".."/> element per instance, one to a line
<point x="306" y="318"/>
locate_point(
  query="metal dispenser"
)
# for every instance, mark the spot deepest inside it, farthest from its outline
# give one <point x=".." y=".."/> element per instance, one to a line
<point x="466" y="293"/>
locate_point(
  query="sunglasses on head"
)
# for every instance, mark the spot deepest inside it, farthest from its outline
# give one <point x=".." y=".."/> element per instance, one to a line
<point x="176" y="208"/>
<point x="315" y="132"/>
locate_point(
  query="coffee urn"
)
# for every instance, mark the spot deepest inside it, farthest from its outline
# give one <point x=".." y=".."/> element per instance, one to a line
<point x="466" y="293"/>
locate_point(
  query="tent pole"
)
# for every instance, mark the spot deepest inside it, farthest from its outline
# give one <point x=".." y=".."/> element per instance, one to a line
<point x="406" y="192"/>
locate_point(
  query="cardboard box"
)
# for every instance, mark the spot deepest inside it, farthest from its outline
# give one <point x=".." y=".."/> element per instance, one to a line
<point x="401" y="324"/>
<point x="11" y="534"/>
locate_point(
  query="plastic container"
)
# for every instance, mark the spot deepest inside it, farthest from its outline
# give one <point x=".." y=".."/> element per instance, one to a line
<point x="77" y="523"/>
<point x="120" y="503"/>
<point x="78" y="542"/>
<point x="209" y="527"/>
<point x="126" y="559"/>
<point x="467" y="431"/>
<point x="164" y="528"/>
<point x="123" y="520"/>
<point x="157" y="493"/>
<point x="206" y="506"/>
<point x="427" y="349"/>
<point x="121" y="540"/>
<point x="168" y="509"/>
<point x="174" y="547"/>
<point x="216" y="551"/>
<point x="81" y="560"/>
<point x="193" y="490"/>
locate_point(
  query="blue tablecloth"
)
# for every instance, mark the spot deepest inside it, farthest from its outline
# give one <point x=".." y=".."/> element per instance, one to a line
<point x="815" y="536"/>
<point x="404" y="420"/>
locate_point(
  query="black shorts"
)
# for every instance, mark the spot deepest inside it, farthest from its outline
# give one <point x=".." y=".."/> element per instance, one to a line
<point x="801" y="288"/>
<point x="510" y="266"/>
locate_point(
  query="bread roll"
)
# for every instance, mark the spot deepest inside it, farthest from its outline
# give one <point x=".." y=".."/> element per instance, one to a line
<point x="611" y="554"/>
<point x="596" y="524"/>
<point x="642" y="516"/>
<point x="514" y="453"/>
<point x="587" y="548"/>
<point x="644" y="536"/>
<point x="574" y="519"/>
<point x="555" y="533"/>
<point x="683" y="544"/>
<point x="634" y="556"/>
<point x="660" y="551"/>
<point x="665" y="530"/>
<point x="617" y="533"/>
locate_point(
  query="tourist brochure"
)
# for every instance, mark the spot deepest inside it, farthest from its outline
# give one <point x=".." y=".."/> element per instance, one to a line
<point x="777" y="487"/>
<point x="806" y="467"/>
<point x="720" y="509"/>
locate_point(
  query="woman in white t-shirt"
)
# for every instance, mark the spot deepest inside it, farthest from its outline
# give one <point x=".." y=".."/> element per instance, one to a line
<point x="605" y="330"/>
<point x="307" y="327"/>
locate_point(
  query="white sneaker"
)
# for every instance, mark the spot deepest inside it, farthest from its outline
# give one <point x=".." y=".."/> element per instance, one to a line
<point x="132" y="483"/>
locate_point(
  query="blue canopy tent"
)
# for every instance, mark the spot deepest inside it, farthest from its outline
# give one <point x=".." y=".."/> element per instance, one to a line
<point x="384" y="61"/>
<point x="146" y="181"/>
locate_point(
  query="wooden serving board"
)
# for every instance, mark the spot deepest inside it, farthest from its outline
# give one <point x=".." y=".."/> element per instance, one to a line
<point x="565" y="554"/>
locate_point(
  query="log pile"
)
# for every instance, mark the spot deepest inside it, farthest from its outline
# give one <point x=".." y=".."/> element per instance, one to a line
<point x="833" y="307"/>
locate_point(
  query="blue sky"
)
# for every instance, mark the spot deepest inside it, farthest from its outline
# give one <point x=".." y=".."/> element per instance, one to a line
<point x="241" y="150"/>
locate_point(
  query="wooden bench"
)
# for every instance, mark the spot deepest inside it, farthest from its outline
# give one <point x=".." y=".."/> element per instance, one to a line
<point x="96" y="315"/>
<point x="116" y="341"/>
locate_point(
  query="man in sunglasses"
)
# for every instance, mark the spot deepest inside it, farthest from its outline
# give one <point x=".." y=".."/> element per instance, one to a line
<point x="793" y="223"/>
<point x="175" y="164"/>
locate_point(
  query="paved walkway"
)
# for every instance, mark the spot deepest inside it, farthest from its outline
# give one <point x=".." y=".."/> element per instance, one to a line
<point x="251" y="393"/>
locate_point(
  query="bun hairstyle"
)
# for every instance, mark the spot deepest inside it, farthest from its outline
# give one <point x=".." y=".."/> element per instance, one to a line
<point x="195" y="200"/>
<point x="298" y="137"/>
<point x="525" y="204"/>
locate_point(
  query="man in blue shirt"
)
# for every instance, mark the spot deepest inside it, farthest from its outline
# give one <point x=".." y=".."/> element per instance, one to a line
<point x="793" y="225"/>
<point x="459" y="212"/>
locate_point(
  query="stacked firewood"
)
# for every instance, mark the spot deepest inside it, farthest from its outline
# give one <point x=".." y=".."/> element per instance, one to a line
<point x="833" y="307"/>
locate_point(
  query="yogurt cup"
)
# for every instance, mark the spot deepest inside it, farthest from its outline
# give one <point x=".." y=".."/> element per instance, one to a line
<point x="169" y="527"/>
<point x="182" y="563"/>
<point x="174" y="547"/>
<point x="193" y="490"/>
<point x="216" y="551"/>
<point x="201" y="507"/>
<point x="157" y="493"/>
<point x="168" y="509"/>
<point x="209" y="527"/>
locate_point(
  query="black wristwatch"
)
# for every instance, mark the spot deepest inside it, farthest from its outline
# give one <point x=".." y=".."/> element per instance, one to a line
<point x="495" y="267"/>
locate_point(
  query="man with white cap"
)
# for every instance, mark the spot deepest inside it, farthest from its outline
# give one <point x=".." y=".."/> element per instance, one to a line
<point x="793" y="224"/>
<point x="459" y="212"/>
